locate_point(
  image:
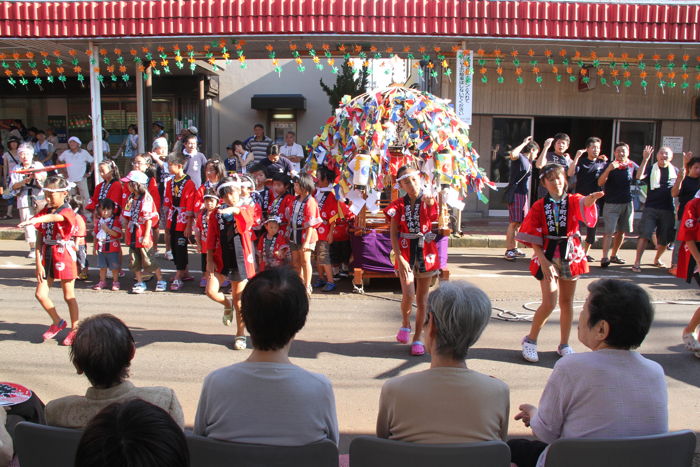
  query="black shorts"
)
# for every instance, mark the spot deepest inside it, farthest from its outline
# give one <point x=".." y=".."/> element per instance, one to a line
<point x="340" y="251"/>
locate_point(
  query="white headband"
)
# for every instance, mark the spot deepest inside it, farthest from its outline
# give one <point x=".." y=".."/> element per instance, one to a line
<point x="210" y="196"/>
<point x="228" y="184"/>
<point x="70" y="186"/>
<point x="410" y="174"/>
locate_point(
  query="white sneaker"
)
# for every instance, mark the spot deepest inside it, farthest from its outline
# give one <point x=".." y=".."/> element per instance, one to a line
<point x="169" y="255"/>
<point x="530" y="352"/>
<point x="566" y="350"/>
<point x="31" y="254"/>
<point x="691" y="343"/>
<point x="138" y="288"/>
<point x="240" y="343"/>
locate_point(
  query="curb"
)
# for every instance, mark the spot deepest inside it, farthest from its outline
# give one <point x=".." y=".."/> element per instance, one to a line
<point x="466" y="241"/>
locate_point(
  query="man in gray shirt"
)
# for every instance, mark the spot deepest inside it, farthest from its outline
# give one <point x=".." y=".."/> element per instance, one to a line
<point x="267" y="399"/>
<point x="194" y="166"/>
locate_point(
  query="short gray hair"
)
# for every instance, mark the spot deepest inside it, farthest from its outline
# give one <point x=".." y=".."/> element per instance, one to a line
<point x="25" y="147"/>
<point x="460" y="312"/>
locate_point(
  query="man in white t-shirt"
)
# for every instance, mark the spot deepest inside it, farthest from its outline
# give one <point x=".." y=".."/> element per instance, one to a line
<point x="78" y="169"/>
<point x="292" y="151"/>
<point x="105" y="146"/>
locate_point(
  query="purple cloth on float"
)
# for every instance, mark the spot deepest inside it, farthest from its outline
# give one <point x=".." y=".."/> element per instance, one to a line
<point x="371" y="251"/>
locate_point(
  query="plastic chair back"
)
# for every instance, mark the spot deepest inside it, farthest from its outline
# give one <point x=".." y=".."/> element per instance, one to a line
<point x="674" y="449"/>
<point x="368" y="451"/>
<point x="42" y="445"/>
<point x="207" y="452"/>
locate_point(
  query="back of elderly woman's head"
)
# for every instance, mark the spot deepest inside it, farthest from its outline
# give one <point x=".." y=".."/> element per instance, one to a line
<point x="103" y="349"/>
<point x="626" y="308"/>
<point x="460" y="312"/>
<point x="132" y="434"/>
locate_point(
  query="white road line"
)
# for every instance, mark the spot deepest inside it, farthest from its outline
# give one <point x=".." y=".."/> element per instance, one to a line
<point x="589" y="276"/>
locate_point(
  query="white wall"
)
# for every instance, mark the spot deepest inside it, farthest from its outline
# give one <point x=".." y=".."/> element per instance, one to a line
<point x="237" y="86"/>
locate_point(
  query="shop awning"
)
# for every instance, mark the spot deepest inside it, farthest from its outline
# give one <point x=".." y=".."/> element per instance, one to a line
<point x="278" y="101"/>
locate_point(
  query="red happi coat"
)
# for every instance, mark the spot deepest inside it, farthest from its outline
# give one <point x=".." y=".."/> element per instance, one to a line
<point x="534" y="230"/>
<point x="688" y="231"/>
<point x="341" y="227"/>
<point x="309" y="217"/>
<point x="280" y="249"/>
<point x="427" y="215"/>
<point x="136" y="216"/>
<point x="184" y="207"/>
<point x="63" y="255"/>
<point x="110" y="244"/>
<point x="244" y="223"/>
<point x="199" y="195"/>
<point x="112" y="190"/>
<point x="281" y="206"/>
<point x="202" y="226"/>
<point x="329" y="209"/>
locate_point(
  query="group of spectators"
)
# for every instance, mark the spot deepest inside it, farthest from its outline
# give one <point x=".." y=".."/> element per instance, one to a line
<point x="278" y="403"/>
<point x="621" y="179"/>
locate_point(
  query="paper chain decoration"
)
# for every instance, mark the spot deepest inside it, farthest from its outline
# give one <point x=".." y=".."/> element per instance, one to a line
<point x="374" y="124"/>
<point x="667" y="72"/>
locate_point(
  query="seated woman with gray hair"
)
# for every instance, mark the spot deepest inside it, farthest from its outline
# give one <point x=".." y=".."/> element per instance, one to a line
<point x="448" y="403"/>
<point x="611" y="392"/>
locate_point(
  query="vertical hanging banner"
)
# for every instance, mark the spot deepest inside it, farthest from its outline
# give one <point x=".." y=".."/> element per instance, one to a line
<point x="464" y="96"/>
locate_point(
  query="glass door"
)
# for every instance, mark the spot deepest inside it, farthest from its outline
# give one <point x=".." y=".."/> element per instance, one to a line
<point x="636" y="133"/>
<point x="506" y="133"/>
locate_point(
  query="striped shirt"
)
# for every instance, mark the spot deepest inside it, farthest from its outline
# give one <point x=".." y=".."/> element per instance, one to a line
<point x="259" y="148"/>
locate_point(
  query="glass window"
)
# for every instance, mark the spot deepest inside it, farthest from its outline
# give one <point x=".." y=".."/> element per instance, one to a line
<point x="637" y="134"/>
<point x="506" y="134"/>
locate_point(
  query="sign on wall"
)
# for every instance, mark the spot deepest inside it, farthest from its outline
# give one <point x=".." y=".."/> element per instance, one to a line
<point x="464" y="93"/>
<point x="673" y="142"/>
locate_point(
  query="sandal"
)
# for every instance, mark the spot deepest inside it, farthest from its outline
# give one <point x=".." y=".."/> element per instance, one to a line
<point x="636" y="269"/>
<point x="659" y="264"/>
<point x="530" y="351"/>
<point x="228" y="316"/>
<point x="403" y="335"/>
<point x="417" y="349"/>
<point x="617" y="260"/>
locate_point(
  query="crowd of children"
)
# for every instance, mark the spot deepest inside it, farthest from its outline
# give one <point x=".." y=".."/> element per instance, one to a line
<point x="240" y="223"/>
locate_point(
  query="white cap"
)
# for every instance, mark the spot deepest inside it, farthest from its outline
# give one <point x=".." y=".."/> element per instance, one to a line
<point x="160" y="143"/>
<point x="76" y="139"/>
<point x="193" y="130"/>
<point x="136" y="176"/>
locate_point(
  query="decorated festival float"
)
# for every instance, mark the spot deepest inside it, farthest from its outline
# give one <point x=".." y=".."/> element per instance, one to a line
<point x="368" y="139"/>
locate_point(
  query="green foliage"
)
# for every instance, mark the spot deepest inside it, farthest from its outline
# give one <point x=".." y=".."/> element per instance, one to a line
<point x="346" y="84"/>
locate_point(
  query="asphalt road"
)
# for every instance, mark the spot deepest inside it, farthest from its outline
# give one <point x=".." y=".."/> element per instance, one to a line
<point x="348" y="337"/>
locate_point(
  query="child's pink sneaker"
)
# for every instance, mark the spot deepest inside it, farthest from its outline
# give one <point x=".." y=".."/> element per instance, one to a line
<point x="54" y="329"/>
<point x="116" y="285"/>
<point x="68" y="341"/>
<point x="99" y="286"/>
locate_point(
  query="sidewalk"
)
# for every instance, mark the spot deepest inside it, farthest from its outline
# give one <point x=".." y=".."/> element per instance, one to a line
<point x="490" y="232"/>
<point x="479" y="232"/>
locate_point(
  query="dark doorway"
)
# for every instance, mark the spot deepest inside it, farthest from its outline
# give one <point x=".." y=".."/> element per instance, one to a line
<point x="578" y="130"/>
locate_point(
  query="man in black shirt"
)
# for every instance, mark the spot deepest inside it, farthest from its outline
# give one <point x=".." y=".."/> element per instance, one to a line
<point x="587" y="171"/>
<point x="658" y="208"/>
<point x="618" y="214"/>
<point x="687" y="185"/>
<point x="276" y="164"/>
<point x="561" y="142"/>
<point x="518" y="191"/>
